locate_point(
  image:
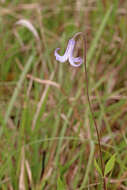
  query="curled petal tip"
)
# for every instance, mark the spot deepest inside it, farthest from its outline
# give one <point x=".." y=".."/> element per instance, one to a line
<point x="56" y="54"/>
<point x="73" y="60"/>
<point x="59" y="57"/>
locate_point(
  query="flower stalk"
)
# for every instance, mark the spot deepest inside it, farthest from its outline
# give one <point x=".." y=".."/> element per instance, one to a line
<point x="92" y="112"/>
<point x="68" y="55"/>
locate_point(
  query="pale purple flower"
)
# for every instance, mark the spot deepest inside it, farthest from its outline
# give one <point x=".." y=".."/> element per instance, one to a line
<point x="68" y="55"/>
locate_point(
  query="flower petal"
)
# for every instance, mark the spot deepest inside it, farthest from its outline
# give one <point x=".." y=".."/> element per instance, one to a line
<point x="68" y="52"/>
<point x="68" y="55"/>
<point x="73" y="60"/>
<point x="77" y="59"/>
<point x="70" y="47"/>
<point x="59" y="57"/>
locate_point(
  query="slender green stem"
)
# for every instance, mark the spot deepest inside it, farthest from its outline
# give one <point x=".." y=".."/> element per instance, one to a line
<point x="92" y="112"/>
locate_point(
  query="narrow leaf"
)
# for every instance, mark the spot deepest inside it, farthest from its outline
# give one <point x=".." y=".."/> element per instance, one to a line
<point x="97" y="167"/>
<point x="60" y="184"/>
<point x="110" y="164"/>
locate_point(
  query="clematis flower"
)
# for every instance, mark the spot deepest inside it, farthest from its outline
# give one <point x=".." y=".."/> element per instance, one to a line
<point x="68" y="55"/>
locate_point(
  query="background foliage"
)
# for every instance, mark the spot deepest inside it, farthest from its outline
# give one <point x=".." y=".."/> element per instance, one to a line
<point x="48" y="140"/>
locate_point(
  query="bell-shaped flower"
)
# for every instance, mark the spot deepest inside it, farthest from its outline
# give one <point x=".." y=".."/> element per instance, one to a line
<point x="68" y="55"/>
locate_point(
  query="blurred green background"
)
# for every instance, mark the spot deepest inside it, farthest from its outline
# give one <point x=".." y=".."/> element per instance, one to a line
<point x="48" y="139"/>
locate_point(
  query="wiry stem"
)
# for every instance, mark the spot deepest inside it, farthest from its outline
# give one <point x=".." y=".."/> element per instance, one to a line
<point x="92" y="112"/>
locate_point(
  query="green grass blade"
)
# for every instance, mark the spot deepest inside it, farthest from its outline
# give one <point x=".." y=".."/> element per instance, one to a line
<point x="98" y="35"/>
<point x="17" y="89"/>
<point x="88" y="165"/>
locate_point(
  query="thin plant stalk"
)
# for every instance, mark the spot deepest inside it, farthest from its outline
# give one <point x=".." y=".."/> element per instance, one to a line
<point x="92" y="112"/>
<point x="68" y="55"/>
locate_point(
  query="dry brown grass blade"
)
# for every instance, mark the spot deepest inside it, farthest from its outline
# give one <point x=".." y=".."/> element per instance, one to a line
<point x="22" y="171"/>
<point x="2" y="1"/>
<point x="41" y="81"/>
<point x="29" y="6"/>
<point x="10" y="187"/>
<point x="29" y="25"/>
<point x="49" y="82"/>
<point x="40" y="103"/>
<point x="29" y="173"/>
